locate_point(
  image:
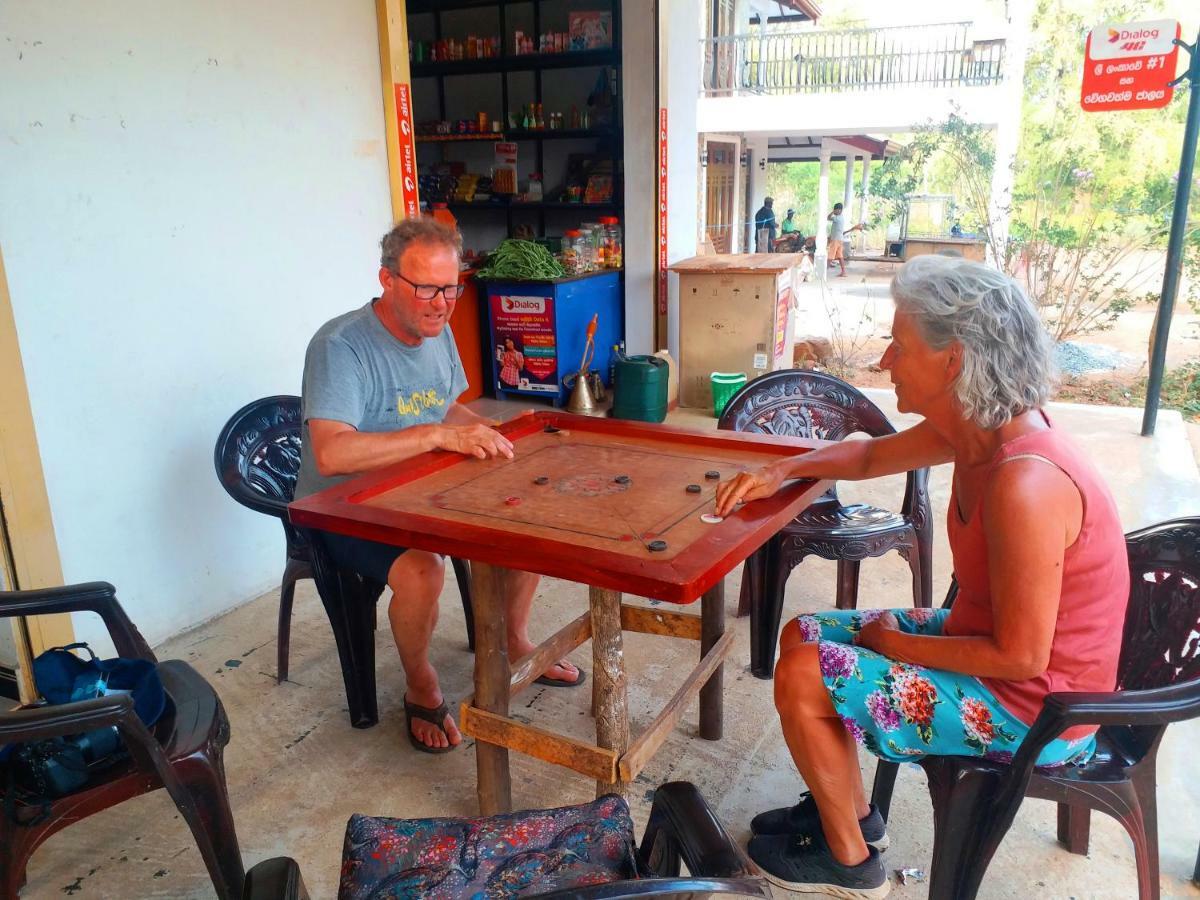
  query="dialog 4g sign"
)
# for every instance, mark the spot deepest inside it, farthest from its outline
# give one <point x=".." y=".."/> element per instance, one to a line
<point x="1130" y="66"/>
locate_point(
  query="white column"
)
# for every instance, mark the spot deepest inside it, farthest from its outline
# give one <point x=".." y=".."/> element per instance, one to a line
<point x="847" y="200"/>
<point x="640" y="108"/>
<point x="1008" y="124"/>
<point x="679" y="86"/>
<point x="757" y="174"/>
<point x="740" y="178"/>
<point x="821" y="257"/>
<point x="863" y="205"/>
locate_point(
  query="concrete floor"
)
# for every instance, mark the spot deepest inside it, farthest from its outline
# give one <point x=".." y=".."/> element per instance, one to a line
<point x="297" y="770"/>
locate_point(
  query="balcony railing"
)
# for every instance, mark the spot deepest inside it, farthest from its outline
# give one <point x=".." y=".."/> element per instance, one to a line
<point x="860" y="59"/>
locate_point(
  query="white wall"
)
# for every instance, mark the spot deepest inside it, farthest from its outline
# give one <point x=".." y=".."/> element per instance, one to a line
<point x="680" y="87"/>
<point x="640" y="112"/>
<point x="849" y="112"/>
<point x="189" y="190"/>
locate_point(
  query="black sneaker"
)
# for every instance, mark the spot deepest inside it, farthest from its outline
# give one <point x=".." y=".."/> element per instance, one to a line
<point x="803" y="863"/>
<point x="803" y="819"/>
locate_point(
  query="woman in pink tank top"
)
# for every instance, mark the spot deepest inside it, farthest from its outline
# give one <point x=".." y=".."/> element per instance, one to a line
<point x="1039" y="556"/>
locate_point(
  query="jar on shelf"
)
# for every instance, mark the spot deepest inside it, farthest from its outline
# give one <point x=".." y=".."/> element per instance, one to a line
<point x="591" y="233"/>
<point x="614" y="248"/>
<point x="574" y="252"/>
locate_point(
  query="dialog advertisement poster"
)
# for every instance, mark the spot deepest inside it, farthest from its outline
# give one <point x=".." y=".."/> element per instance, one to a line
<point x="526" y="358"/>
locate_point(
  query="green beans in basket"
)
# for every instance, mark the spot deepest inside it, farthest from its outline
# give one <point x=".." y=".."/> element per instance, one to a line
<point x="523" y="261"/>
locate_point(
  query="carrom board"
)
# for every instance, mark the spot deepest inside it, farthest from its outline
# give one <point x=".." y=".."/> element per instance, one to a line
<point x="598" y="501"/>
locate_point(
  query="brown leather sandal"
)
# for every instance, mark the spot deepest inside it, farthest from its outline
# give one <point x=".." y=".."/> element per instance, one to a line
<point x="434" y="716"/>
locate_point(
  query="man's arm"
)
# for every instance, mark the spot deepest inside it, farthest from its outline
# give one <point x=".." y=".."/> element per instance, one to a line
<point x="340" y="449"/>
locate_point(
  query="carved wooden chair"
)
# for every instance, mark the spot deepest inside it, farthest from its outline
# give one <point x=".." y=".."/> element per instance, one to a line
<point x="807" y="404"/>
<point x="182" y="752"/>
<point x="257" y="458"/>
<point x="681" y="828"/>
<point x="1158" y="682"/>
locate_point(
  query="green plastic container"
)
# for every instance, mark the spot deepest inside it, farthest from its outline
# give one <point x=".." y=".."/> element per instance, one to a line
<point x="724" y="386"/>
<point x="640" y="388"/>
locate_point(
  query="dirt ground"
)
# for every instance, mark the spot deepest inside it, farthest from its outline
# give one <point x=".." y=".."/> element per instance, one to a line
<point x="855" y="314"/>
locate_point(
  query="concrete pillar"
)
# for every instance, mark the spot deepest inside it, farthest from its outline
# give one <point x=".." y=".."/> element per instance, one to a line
<point x="1008" y="126"/>
<point x="847" y="202"/>
<point x="821" y="257"/>
<point x="679" y="86"/>
<point x="757" y="176"/>
<point x="640" y="108"/>
<point x="863" y="203"/>
<point x="740" y="178"/>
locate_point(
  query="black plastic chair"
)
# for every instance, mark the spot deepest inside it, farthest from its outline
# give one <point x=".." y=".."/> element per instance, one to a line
<point x="183" y="752"/>
<point x="1158" y="682"/>
<point x="682" y="828"/>
<point x="806" y="404"/>
<point x="257" y="458"/>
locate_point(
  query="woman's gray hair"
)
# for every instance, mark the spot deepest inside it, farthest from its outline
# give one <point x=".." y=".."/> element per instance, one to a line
<point x="416" y="230"/>
<point x="1008" y="358"/>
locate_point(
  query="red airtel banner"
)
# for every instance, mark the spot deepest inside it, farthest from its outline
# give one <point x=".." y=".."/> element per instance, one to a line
<point x="407" y="151"/>
<point x="1130" y="66"/>
<point x="662" y="212"/>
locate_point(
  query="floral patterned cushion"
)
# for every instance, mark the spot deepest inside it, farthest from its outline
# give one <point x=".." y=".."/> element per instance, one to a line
<point x="518" y="854"/>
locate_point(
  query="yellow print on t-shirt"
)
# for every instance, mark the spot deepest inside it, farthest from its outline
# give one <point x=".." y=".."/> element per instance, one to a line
<point x="418" y="401"/>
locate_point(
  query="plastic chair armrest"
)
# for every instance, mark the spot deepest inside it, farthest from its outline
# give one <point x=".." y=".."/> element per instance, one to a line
<point x="1063" y="710"/>
<point x="277" y="878"/>
<point x="689" y="830"/>
<point x="93" y="596"/>
<point x="42" y="722"/>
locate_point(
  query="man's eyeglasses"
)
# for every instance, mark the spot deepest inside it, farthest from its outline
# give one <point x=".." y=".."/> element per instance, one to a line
<point x="428" y="291"/>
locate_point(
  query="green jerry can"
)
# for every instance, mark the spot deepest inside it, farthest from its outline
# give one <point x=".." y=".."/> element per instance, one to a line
<point x="640" y="390"/>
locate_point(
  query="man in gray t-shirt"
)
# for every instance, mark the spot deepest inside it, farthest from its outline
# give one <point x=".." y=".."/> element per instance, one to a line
<point x="380" y="386"/>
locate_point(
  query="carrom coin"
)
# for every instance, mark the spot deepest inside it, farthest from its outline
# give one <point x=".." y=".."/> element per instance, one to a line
<point x="512" y="501"/>
<point x="694" y="489"/>
<point x="712" y="474"/>
<point x="657" y="546"/>
<point x="542" y="479"/>
<point x="710" y="519"/>
<point x="622" y="479"/>
<point x="551" y="429"/>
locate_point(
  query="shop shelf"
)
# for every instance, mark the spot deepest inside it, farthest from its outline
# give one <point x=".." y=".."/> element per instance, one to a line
<point x="525" y="62"/>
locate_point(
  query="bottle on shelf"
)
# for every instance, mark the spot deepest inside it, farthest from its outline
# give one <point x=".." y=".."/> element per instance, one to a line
<point x="614" y="250"/>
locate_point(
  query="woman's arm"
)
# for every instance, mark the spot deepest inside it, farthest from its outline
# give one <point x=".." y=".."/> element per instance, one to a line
<point x="1032" y="512"/>
<point x="851" y="460"/>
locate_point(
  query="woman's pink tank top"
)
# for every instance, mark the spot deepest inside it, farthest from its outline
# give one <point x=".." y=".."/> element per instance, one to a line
<point x="1095" y="586"/>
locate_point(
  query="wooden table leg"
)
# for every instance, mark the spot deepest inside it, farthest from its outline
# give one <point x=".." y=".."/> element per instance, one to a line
<point x="610" y="694"/>
<point x="489" y="589"/>
<point x="712" y="626"/>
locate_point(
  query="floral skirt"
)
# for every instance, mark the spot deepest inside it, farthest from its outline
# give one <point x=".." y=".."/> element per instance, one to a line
<point x="900" y="712"/>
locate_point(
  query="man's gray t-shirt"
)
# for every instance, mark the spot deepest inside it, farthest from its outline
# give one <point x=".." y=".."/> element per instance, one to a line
<point x="837" y="227"/>
<point x="357" y="372"/>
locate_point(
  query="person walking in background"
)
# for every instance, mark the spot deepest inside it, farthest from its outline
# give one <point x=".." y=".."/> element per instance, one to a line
<point x="837" y="236"/>
<point x="764" y="227"/>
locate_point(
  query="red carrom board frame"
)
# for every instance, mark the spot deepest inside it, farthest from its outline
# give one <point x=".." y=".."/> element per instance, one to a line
<point x="458" y="505"/>
<point x="584" y="499"/>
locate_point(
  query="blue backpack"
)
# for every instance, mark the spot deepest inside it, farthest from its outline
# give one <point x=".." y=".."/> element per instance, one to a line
<point x="63" y="677"/>
<point x="59" y="765"/>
